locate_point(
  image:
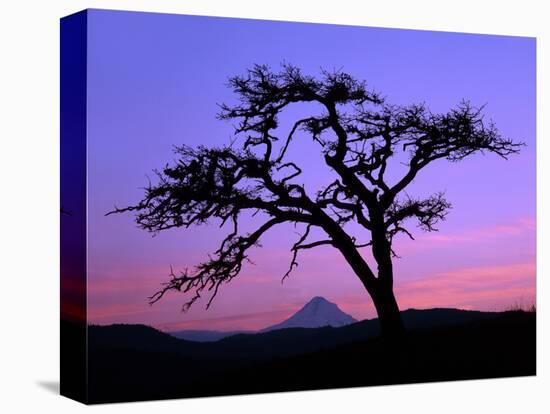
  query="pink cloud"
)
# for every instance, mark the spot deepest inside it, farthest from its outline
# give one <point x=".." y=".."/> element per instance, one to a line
<point x="435" y="277"/>
<point x="478" y="235"/>
<point x="250" y="321"/>
<point x="113" y="311"/>
<point x="492" y="287"/>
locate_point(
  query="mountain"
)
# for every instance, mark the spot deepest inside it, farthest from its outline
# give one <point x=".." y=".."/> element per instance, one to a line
<point x="198" y="335"/>
<point x="275" y="342"/>
<point x="317" y="313"/>
<point x="136" y="337"/>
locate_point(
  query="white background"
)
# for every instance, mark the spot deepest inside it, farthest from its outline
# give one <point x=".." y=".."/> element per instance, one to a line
<point x="29" y="210"/>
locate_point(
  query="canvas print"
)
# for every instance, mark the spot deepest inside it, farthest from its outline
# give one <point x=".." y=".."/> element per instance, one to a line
<point x="257" y="206"/>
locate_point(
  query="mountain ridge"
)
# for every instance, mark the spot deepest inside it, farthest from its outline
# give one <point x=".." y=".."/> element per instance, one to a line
<point x="318" y="312"/>
<point x="278" y="342"/>
<point x="441" y="345"/>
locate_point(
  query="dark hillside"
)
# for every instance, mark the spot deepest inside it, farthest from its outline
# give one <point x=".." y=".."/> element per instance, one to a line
<point x="134" y="362"/>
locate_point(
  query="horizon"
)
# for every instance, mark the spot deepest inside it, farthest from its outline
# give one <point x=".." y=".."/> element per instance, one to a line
<point x="174" y="329"/>
<point x="154" y="82"/>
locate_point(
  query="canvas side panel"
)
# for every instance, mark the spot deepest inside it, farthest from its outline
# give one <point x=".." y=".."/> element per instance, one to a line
<point x="73" y="65"/>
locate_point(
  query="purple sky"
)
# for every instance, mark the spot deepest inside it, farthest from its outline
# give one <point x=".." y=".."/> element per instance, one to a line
<point x="154" y="81"/>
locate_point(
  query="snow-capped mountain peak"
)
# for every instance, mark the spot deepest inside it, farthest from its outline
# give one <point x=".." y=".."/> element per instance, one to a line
<point x="318" y="312"/>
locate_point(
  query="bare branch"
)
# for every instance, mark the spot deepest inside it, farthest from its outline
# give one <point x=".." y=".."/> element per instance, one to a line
<point x="299" y="245"/>
<point x="428" y="213"/>
<point x="220" y="269"/>
<point x="359" y="137"/>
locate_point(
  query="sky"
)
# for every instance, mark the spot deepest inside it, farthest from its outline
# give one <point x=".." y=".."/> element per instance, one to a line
<point x="155" y="81"/>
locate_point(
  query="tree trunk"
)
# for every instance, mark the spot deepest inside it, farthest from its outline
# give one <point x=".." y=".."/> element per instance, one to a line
<point x="391" y="324"/>
<point x="379" y="288"/>
<point x="381" y="291"/>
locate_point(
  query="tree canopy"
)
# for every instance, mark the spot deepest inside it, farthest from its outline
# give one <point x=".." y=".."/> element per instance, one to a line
<point x="358" y="134"/>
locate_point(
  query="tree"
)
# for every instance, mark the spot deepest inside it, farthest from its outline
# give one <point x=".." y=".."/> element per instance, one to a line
<point x="359" y="135"/>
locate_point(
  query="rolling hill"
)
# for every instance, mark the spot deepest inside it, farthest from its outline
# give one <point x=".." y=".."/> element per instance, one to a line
<point x="136" y="362"/>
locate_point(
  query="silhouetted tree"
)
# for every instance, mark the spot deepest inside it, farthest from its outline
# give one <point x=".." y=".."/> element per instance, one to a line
<point x="358" y="134"/>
